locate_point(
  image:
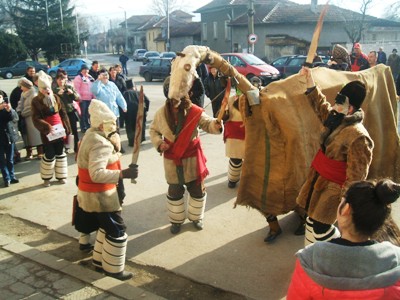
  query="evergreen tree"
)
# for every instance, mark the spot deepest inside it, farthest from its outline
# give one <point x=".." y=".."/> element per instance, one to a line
<point x="44" y="29"/>
<point x="12" y="49"/>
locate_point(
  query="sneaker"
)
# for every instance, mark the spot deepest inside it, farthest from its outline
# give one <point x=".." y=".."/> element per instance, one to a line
<point x="175" y="228"/>
<point x="198" y="224"/>
<point x="6" y="183"/>
<point x="124" y="275"/>
<point x="14" y="180"/>
<point x="231" y="184"/>
<point x="62" y="181"/>
<point x="46" y="183"/>
<point x="86" y="247"/>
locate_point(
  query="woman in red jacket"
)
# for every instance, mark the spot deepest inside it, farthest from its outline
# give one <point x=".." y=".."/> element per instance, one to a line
<point x="353" y="266"/>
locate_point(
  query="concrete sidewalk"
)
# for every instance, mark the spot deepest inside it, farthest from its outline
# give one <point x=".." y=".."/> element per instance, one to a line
<point x="29" y="273"/>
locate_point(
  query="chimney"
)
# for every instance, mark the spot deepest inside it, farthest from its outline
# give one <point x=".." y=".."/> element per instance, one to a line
<point x="314" y="4"/>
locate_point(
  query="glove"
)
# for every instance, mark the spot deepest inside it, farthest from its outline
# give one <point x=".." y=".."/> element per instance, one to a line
<point x="131" y="172"/>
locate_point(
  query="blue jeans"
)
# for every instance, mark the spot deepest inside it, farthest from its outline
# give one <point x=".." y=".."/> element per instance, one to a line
<point x="7" y="161"/>
<point x="85" y="125"/>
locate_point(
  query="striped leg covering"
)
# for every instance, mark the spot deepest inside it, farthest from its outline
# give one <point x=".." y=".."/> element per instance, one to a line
<point x="176" y="210"/>
<point x="98" y="248"/>
<point x="61" y="168"/>
<point x="234" y="170"/>
<point x="309" y="236"/>
<point x="114" y="250"/>
<point x="47" y="168"/>
<point x="196" y="207"/>
<point x="329" y="233"/>
<point x="84" y="238"/>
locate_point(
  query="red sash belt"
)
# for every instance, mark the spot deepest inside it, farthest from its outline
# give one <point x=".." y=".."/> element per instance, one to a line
<point x="194" y="149"/>
<point x="330" y="169"/>
<point x="87" y="185"/>
<point x="54" y="119"/>
<point x="234" y="130"/>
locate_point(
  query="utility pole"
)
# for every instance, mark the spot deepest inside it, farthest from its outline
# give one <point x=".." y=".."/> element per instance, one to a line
<point x="77" y="28"/>
<point x="126" y="34"/>
<point x="250" y="14"/>
<point x="47" y="14"/>
<point x="168" y="45"/>
<point x="61" y="14"/>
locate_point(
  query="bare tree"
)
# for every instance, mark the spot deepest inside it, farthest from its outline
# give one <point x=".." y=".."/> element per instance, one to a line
<point x="160" y="6"/>
<point x="357" y="24"/>
<point x="392" y="11"/>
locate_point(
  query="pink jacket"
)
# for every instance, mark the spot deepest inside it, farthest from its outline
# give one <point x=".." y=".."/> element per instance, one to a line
<point x="303" y="287"/>
<point x="83" y="86"/>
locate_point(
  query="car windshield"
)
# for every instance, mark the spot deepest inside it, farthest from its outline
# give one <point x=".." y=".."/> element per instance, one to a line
<point x="253" y="60"/>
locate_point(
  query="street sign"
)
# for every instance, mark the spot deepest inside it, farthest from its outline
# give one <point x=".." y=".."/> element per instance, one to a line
<point x="252" y="39"/>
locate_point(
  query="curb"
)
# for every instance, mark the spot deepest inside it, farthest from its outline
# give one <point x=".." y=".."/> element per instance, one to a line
<point x="107" y="284"/>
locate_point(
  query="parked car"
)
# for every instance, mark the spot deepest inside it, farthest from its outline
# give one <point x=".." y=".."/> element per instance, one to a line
<point x="20" y="67"/>
<point x="168" y="55"/>
<point x="250" y="65"/>
<point x="138" y="54"/>
<point x="291" y="64"/>
<point x="72" y="66"/>
<point x="150" y="55"/>
<point x="156" y="68"/>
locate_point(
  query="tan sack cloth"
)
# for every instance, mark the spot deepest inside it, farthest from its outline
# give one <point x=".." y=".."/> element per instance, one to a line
<point x="282" y="135"/>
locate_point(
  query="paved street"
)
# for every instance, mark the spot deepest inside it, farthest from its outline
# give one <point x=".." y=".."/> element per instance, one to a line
<point x="229" y="253"/>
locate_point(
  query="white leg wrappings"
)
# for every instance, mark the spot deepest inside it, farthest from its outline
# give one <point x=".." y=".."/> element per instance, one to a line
<point x="309" y="236"/>
<point x="176" y="210"/>
<point x="331" y="234"/>
<point x="234" y="171"/>
<point x="47" y="168"/>
<point x="98" y="248"/>
<point x="61" y="168"/>
<point x="84" y="238"/>
<point x="196" y="207"/>
<point x="114" y="250"/>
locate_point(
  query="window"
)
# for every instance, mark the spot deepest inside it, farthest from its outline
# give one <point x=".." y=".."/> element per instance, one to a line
<point x="227" y="31"/>
<point x="204" y="31"/>
<point x="215" y="30"/>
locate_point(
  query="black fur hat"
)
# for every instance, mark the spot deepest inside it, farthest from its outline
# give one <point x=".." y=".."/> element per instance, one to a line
<point x="355" y="91"/>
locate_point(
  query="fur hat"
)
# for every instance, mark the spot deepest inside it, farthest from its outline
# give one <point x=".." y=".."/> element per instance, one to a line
<point x="85" y="67"/>
<point x="355" y="91"/>
<point x="44" y="80"/>
<point x="340" y="54"/>
<point x="25" y="83"/>
<point x="100" y="113"/>
<point x="129" y="84"/>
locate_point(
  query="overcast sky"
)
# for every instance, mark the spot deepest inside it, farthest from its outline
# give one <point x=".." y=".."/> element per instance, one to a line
<point x="115" y="9"/>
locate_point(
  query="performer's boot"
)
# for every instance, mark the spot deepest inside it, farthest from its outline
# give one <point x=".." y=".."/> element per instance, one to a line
<point x="234" y="169"/>
<point x="84" y="242"/>
<point x="325" y="232"/>
<point x="114" y="250"/>
<point x="176" y="213"/>
<point x="98" y="250"/>
<point x="46" y="170"/>
<point x="302" y="216"/>
<point x="309" y="234"/>
<point x="274" y="229"/>
<point x="196" y="207"/>
<point x="61" y="168"/>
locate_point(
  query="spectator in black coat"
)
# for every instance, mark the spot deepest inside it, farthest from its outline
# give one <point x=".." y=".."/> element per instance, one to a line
<point x="8" y="137"/>
<point x="196" y="93"/>
<point x="214" y="87"/>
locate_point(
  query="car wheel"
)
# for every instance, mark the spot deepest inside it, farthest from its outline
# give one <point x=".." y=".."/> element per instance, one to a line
<point x="249" y="76"/>
<point x="8" y="75"/>
<point x="147" y="77"/>
<point x="52" y="74"/>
